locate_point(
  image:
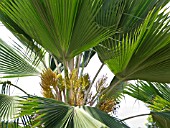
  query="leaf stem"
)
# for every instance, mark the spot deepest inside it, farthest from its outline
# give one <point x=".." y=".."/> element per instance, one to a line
<point x="78" y="61"/>
<point x="88" y="90"/>
<point x="9" y="82"/>
<point x="97" y="74"/>
<point x="135" y="116"/>
<point x="82" y="67"/>
<point x="65" y="63"/>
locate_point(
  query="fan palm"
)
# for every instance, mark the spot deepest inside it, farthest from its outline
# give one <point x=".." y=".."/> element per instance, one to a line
<point x="60" y="36"/>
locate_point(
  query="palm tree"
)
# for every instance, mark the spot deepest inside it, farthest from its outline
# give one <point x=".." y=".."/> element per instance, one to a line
<point x="57" y="39"/>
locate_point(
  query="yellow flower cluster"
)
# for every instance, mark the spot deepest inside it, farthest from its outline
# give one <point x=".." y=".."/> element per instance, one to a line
<point x="77" y="86"/>
<point x="54" y="86"/>
<point x="48" y="80"/>
<point x="107" y="105"/>
<point x="73" y="88"/>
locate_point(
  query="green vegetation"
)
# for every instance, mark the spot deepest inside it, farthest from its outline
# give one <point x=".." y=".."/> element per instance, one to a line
<point x="56" y="41"/>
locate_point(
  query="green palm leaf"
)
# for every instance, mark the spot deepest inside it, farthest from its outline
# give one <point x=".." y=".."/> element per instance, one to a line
<point x="157" y="98"/>
<point x="111" y="13"/>
<point x="14" y="64"/>
<point x="52" y="113"/>
<point x="144" y="91"/>
<point x="9" y="125"/>
<point x="8" y="108"/>
<point x="105" y="118"/>
<point x="64" y="28"/>
<point x="135" y="11"/>
<point x="156" y="95"/>
<point x="25" y="39"/>
<point x="9" y="113"/>
<point x="142" y="54"/>
<point x="160" y="104"/>
<point x="162" y="119"/>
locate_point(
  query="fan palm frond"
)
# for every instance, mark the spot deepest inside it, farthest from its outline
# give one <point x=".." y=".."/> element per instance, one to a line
<point x="65" y="29"/>
<point x="154" y="94"/>
<point x="142" y="54"/>
<point x="9" y="113"/>
<point x="52" y="113"/>
<point x="31" y="48"/>
<point x="157" y="98"/>
<point x="8" y="108"/>
<point x="142" y="91"/>
<point x="111" y="13"/>
<point x="136" y="11"/>
<point x="14" y="64"/>
<point x="126" y="21"/>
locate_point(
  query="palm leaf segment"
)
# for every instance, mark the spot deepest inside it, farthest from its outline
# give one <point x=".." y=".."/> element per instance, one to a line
<point x="9" y="110"/>
<point x="52" y="113"/>
<point x="13" y="63"/>
<point x="64" y="28"/>
<point x="143" y="53"/>
<point x="7" y="107"/>
<point x="26" y="48"/>
<point x="25" y="39"/>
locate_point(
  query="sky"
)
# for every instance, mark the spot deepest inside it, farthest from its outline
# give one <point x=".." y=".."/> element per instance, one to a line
<point x="128" y="106"/>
